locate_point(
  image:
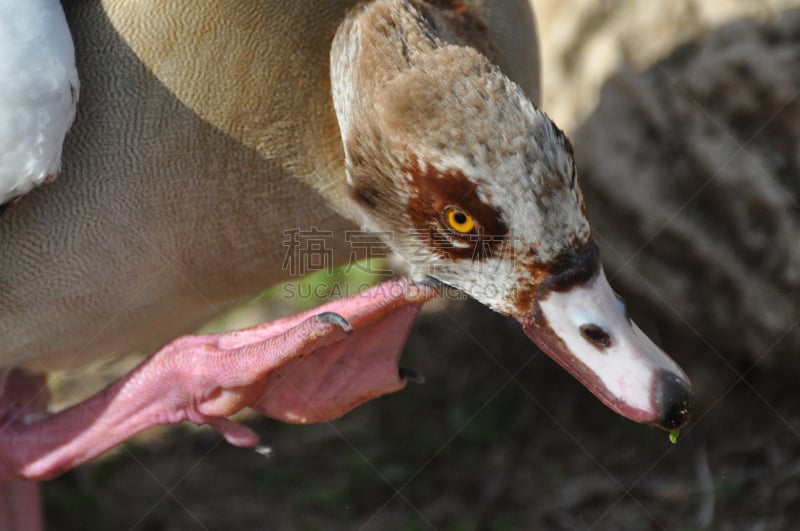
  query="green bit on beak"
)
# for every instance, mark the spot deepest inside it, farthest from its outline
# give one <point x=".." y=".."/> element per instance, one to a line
<point x="673" y="435"/>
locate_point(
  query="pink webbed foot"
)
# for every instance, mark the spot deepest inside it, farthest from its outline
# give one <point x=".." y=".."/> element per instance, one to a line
<point x="309" y="367"/>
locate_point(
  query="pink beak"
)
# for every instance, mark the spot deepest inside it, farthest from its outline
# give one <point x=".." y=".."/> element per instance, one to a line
<point x="578" y="320"/>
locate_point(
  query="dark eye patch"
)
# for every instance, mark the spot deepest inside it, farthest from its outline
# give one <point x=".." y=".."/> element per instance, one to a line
<point x="433" y="190"/>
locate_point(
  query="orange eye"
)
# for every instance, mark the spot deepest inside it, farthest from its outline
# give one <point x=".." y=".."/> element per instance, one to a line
<point x="458" y="220"/>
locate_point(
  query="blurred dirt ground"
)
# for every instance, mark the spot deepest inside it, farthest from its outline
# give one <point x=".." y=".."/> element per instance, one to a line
<point x="498" y="437"/>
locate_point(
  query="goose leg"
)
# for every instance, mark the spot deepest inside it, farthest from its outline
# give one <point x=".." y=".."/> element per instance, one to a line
<point x="20" y="506"/>
<point x="20" y="500"/>
<point x="305" y="368"/>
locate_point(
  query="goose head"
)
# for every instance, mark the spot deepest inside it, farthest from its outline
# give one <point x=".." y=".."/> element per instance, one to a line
<point x="477" y="188"/>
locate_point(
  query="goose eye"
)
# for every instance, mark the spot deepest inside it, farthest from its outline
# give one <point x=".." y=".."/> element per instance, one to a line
<point x="458" y="220"/>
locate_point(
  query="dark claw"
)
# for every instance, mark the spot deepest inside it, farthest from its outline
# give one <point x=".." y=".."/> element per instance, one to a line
<point x="430" y="282"/>
<point x="334" y="318"/>
<point x="411" y="376"/>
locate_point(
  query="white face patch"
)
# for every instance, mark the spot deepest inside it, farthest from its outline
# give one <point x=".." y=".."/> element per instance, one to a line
<point x="493" y="282"/>
<point x="591" y="323"/>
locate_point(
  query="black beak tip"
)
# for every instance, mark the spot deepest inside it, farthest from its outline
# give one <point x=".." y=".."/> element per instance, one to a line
<point x="674" y="401"/>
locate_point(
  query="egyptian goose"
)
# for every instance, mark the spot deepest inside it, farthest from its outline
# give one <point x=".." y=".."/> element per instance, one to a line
<point x="205" y="132"/>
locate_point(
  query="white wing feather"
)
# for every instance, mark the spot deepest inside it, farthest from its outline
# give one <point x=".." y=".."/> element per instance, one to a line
<point x="38" y="92"/>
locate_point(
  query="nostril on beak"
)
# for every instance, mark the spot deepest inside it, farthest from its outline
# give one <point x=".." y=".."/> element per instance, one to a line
<point x="674" y="401"/>
<point x="596" y="336"/>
